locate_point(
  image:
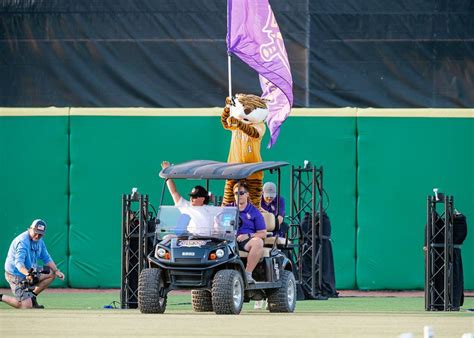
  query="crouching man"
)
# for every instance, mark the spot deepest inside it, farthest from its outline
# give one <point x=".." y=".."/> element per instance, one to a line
<point x="21" y="267"/>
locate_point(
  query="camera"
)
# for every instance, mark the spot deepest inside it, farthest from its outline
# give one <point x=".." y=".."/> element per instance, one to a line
<point x="33" y="277"/>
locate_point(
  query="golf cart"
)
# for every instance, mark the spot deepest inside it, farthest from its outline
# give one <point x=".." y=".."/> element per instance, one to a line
<point x="208" y="262"/>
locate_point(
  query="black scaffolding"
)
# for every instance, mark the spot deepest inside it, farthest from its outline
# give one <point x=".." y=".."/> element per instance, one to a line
<point x="307" y="201"/>
<point x="439" y="255"/>
<point x="137" y="237"/>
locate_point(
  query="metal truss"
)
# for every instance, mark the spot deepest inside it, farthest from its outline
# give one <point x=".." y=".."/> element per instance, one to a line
<point x="137" y="233"/>
<point x="439" y="257"/>
<point x="307" y="202"/>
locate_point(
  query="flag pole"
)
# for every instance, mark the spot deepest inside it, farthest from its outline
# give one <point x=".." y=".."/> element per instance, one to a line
<point x="229" y="56"/>
<point x="229" y="70"/>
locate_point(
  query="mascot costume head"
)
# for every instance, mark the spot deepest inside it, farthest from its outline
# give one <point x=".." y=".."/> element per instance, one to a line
<point x="244" y="115"/>
<point x="249" y="109"/>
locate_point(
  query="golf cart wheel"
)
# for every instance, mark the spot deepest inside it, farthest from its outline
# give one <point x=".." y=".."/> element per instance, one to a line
<point x="284" y="298"/>
<point x="227" y="292"/>
<point x="151" y="296"/>
<point x="202" y="300"/>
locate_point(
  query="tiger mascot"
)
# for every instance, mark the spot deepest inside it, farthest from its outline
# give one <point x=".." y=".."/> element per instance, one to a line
<point x="244" y="115"/>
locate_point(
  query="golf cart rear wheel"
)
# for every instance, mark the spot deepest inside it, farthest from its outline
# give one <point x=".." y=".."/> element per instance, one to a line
<point x="202" y="300"/>
<point x="227" y="292"/>
<point x="284" y="298"/>
<point x="151" y="296"/>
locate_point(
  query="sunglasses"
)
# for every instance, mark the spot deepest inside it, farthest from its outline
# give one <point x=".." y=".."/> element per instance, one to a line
<point x="241" y="193"/>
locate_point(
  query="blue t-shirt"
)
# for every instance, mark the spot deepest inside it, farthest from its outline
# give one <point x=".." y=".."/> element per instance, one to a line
<point x="25" y="252"/>
<point x="252" y="220"/>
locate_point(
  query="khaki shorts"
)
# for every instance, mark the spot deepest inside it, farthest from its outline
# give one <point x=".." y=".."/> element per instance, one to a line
<point x="15" y="284"/>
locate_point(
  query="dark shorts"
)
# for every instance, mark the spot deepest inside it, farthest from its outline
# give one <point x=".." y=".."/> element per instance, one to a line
<point x="15" y="284"/>
<point x="243" y="244"/>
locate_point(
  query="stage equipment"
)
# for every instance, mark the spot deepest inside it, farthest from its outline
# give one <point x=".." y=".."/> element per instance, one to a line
<point x="138" y="230"/>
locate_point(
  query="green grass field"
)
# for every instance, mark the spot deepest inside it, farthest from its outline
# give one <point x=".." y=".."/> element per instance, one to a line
<point x="82" y="314"/>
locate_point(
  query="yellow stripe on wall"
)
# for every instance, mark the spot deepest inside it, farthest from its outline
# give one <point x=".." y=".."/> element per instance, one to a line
<point x="47" y="111"/>
<point x="419" y="112"/>
<point x="216" y="111"/>
<point x="384" y="112"/>
<point x="146" y="111"/>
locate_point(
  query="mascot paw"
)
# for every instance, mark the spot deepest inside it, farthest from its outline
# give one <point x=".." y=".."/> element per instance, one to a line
<point x="228" y="101"/>
<point x="232" y="122"/>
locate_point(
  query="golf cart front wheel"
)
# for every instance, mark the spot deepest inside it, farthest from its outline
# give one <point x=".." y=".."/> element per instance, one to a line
<point x="227" y="292"/>
<point x="151" y="296"/>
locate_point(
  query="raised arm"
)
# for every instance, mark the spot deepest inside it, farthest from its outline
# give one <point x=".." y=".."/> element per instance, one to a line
<point x="225" y="114"/>
<point x="171" y="186"/>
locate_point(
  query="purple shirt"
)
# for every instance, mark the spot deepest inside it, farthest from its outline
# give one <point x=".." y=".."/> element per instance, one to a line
<point x="272" y="207"/>
<point x="252" y="220"/>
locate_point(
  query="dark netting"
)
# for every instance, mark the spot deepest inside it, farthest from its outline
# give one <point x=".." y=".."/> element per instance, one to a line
<point x="172" y="53"/>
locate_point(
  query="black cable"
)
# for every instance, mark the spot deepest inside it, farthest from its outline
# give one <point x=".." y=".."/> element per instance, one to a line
<point x="327" y="197"/>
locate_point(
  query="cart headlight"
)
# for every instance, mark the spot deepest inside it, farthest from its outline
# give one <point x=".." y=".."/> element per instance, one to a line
<point x="219" y="253"/>
<point x="161" y="252"/>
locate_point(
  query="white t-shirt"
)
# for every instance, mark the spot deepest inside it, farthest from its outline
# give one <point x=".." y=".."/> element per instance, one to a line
<point x="202" y="218"/>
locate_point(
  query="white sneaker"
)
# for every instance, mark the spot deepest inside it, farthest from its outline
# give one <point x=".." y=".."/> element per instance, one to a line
<point x="260" y="304"/>
<point x="250" y="279"/>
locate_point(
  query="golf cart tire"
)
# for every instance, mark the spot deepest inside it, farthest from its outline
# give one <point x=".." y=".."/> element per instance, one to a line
<point x="227" y="292"/>
<point x="201" y="300"/>
<point x="149" y="287"/>
<point x="283" y="299"/>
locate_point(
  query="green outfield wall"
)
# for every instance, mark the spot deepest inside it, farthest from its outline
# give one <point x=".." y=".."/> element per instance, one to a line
<point x="34" y="179"/>
<point x="71" y="166"/>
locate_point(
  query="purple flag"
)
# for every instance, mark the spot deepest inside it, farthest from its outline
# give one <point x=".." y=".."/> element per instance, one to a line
<point x="253" y="35"/>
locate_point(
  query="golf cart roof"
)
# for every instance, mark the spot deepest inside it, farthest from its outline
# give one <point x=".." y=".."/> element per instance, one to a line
<point x="204" y="169"/>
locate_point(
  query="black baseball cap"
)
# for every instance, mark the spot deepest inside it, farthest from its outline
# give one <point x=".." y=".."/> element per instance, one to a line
<point x="39" y="226"/>
<point x="199" y="191"/>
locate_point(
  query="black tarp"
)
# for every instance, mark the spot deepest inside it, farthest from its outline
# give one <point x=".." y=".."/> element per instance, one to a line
<point x="459" y="235"/>
<point x="328" y="276"/>
<point x="172" y="53"/>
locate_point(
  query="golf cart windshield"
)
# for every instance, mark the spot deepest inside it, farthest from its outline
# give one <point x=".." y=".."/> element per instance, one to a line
<point x="203" y="221"/>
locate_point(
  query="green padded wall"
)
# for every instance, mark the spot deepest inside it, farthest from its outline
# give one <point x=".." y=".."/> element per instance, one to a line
<point x="400" y="161"/>
<point x="330" y="142"/>
<point x="378" y="172"/>
<point x="34" y="182"/>
<point x="110" y="155"/>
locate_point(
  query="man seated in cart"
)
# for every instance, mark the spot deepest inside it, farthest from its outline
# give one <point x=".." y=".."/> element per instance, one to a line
<point x="252" y="231"/>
